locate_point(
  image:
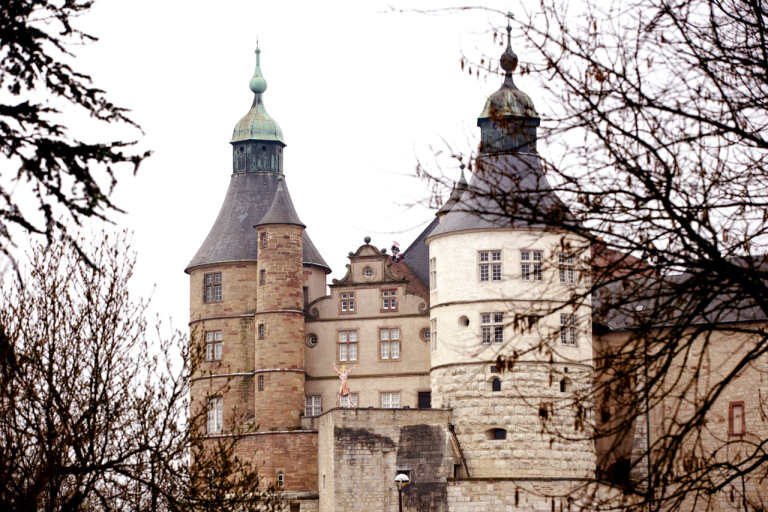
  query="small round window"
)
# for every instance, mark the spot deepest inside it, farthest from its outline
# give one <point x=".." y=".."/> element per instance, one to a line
<point x="242" y="149"/>
<point x="368" y="272"/>
<point x="425" y="334"/>
<point x="464" y="321"/>
<point x="263" y="148"/>
<point x="312" y="340"/>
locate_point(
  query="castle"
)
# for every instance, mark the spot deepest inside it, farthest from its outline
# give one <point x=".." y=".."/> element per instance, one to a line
<point x="421" y="336"/>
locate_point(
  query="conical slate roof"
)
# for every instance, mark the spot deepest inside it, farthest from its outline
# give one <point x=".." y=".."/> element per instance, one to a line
<point x="281" y="211"/>
<point x="253" y="196"/>
<point x="506" y="191"/>
<point x="458" y="189"/>
<point x="232" y="237"/>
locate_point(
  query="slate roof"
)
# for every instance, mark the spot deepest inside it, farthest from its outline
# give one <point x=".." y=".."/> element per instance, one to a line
<point x="281" y="211"/>
<point x="232" y="237"/>
<point x="688" y="298"/>
<point x="507" y="190"/>
<point x="417" y="254"/>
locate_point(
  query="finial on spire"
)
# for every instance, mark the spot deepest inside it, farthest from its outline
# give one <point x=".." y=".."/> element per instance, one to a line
<point x="508" y="58"/>
<point x="258" y="84"/>
<point x="462" y="167"/>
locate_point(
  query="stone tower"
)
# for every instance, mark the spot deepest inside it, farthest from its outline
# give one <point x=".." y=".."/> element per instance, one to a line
<point x="280" y="316"/>
<point x="493" y="265"/>
<point x="246" y="306"/>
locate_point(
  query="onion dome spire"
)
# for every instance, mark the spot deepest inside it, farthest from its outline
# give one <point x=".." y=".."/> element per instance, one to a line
<point x="509" y="119"/>
<point x="257" y="123"/>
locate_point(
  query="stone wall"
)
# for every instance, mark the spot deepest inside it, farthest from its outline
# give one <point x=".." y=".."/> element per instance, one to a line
<point x="279" y="320"/>
<point x="690" y="377"/>
<point x="530" y="494"/>
<point x="292" y="453"/>
<point x="534" y="445"/>
<point x="361" y="451"/>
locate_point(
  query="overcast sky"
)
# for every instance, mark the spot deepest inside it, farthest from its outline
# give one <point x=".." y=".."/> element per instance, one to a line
<point x="361" y="92"/>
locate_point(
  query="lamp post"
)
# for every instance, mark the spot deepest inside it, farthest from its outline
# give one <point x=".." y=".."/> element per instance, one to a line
<point x="401" y="480"/>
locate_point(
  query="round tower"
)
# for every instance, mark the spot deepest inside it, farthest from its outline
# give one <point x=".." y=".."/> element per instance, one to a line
<point x="511" y="348"/>
<point x="248" y="323"/>
<point x="280" y="316"/>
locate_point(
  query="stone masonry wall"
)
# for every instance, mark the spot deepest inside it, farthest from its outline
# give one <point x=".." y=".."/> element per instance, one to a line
<point x="537" y="443"/>
<point x="279" y="320"/>
<point x="361" y="451"/>
<point x="294" y="453"/>
<point x="233" y="316"/>
<point x="530" y="494"/>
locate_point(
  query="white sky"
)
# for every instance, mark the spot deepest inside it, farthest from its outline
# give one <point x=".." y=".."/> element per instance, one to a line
<point x="361" y="93"/>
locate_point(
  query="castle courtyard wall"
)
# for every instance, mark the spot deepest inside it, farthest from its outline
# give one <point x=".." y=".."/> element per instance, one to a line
<point x="361" y="451"/>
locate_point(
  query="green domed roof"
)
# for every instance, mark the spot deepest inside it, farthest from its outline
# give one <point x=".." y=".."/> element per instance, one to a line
<point x="257" y="123"/>
<point x="509" y="100"/>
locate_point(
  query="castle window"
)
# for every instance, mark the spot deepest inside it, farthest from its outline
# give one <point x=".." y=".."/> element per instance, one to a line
<point x="388" y="300"/>
<point x="215" y="415"/>
<point x="348" y="401"/>
<point x="312" y="340"/>
<point x="433" y="274"/>
<point x="567" y="272"/>
<point x="368" y="272"/>
<point x="212" y="287"/>
<point x="530" y="265"/>
<point x="262" y="331"/>
<point x="433" y="336"/>
<point x="280" y="479"/>
<point x="568" y="330"/>
<point x="496" y="434"/>
<point x="389" y="343"/>
<point x="425" y="334"/>
<point x="313" y="405"/>
<point x="492" y="327"/>
<point x="263" y="277"/>
<point x="496" y="384"/>
<point x="565" y="385"/>
<point x="261" y="383"/>
<point x="347" y="304"/>
<point x="490" y="266"/>
<point x="390" y="400"/>
<point x="736" y="419"/>
<point x="263" y="239"/>
<point x="213" y="345"/>
<point x="347" y="345"/>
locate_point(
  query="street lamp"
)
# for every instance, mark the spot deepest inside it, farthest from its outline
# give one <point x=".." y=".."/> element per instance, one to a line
<point x="401" y="480"/>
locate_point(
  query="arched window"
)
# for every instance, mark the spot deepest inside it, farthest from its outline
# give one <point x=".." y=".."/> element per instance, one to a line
<point x="280" y="479"/>
<point x="565" y="384"/>
<point x="496" y="384"/>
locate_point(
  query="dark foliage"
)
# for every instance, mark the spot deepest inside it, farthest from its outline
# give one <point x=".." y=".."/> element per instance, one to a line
<point x="68" y="177"/>
<point x="93" y="414"/>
